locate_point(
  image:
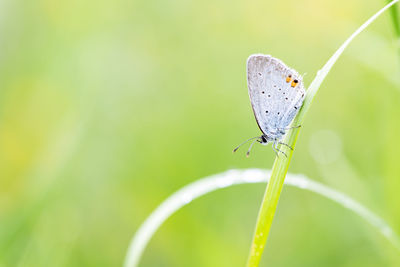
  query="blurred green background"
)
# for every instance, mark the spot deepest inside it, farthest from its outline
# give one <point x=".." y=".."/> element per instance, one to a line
<point x="108" y="107"/>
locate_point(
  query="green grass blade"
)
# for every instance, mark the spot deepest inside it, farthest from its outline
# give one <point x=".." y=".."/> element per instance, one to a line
<point x="281" y="164"/>
<point x="395" y="19"/>
<point x="394" y="14"/>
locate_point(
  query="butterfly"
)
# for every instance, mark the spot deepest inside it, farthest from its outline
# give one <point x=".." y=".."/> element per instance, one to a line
<point x="276" y="95"/>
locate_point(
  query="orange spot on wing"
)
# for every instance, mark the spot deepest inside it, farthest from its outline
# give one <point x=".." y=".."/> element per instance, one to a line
<point x="294" y="83"/>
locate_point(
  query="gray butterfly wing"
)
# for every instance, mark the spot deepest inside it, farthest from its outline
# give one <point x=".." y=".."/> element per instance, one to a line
<point x="274" y="96"/>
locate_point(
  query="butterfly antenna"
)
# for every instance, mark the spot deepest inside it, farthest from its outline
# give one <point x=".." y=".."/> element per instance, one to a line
<point x="248" y="151"/>
<point x="244" y="143"/>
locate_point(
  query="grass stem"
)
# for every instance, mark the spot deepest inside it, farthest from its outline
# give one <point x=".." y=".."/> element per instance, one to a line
<point x="396" y="26"/>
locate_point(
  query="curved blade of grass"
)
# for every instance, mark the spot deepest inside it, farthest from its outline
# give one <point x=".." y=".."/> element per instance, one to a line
<point x="395" y="19"/>
<point x="396" y="25"/>
<point x="281" y="164"/>
<point x="212" y="183"/>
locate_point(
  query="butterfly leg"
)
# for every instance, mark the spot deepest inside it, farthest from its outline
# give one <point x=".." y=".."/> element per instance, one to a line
<point x="291" y="148"/>
<point x="276" y="149"/>
<point x="289" y="128"/>
<point x="282" y="152"/>
<point x="294" y="127"/>
<point x="276" y="152"/>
